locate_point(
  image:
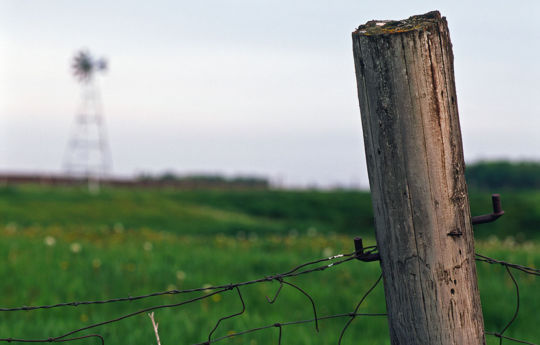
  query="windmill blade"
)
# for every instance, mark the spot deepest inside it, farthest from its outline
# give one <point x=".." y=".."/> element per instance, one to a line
<point x="102" y="64"/>
<point x="83" y="66"/>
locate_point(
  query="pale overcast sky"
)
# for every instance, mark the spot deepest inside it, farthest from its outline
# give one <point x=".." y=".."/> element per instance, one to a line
<point x="246" y="86"/>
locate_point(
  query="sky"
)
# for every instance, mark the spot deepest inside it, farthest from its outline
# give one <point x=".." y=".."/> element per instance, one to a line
<point x="247" y="87"/>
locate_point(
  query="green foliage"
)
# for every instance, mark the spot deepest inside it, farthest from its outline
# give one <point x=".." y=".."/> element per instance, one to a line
<point x="62" y="243"/>
<point x="121" y="263"/>
<point x="503" y="175"/>
<point x="213" y="211"/>
<point x="45" y="265"/>
<point x="217" y="180"/>
<point x="201" y="211"/>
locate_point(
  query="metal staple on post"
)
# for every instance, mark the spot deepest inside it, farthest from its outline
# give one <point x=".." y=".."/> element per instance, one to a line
<point x="361" y="255"/>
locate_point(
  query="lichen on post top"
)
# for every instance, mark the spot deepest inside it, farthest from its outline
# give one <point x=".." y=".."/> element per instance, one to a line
<point x="388" y="27"/>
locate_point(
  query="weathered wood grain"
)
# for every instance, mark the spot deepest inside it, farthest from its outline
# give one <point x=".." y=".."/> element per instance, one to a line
<point x="414" y="153"/>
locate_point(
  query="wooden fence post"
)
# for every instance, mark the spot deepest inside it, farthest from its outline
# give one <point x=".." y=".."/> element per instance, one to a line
<point x="407" y="96"/>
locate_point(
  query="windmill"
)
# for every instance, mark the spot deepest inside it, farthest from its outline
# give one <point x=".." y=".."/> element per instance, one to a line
<point x="88" y="155"/>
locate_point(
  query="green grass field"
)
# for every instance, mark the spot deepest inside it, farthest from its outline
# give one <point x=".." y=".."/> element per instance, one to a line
<point x="235" y="211"/>
<point x="62" y="244"/>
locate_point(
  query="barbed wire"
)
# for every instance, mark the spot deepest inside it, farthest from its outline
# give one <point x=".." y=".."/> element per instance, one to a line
<point x="291" y="273"/>
<point x="280" y="325"/>
<point x="508" y="266"/>
<point x="296" y="271"/>
<point x="301" y="269"/>
<point x="352" y="315"/>
<point x="525" y="269"/>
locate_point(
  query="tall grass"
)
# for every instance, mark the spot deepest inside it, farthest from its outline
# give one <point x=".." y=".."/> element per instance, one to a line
<point x="63" y="244"/>
<point x="49" y="265"/>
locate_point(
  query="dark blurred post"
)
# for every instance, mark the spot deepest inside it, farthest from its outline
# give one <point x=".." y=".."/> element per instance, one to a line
<point x="407" y="96"/>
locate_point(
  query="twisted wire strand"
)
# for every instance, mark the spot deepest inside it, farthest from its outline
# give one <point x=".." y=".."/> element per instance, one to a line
<point x="509" y="338"/>
<point x="49" y="340"/>
<point x="279" y="325"/>
<point x="508" y="266"/>
<point x="228" y="316"/>
<point x="517" y="304"/>
<point x="292" y="273"/>
<point x="525" y="269"/>
<point x="296" y="271"/>
<point x="353" y="314"/>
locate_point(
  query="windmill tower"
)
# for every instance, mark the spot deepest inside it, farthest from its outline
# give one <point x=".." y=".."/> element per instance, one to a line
<point x="88" y="155"/>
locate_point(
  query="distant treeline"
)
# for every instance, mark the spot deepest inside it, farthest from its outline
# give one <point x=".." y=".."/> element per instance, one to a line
<point x="503" y="175"/>
<point x="169" y="178"/>
<point x="145" y="180"/>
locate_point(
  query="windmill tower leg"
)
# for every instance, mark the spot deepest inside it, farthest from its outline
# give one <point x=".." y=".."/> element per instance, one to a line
<point x="88" y="156"/>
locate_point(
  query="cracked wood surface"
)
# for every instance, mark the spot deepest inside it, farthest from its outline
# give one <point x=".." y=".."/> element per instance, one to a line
<point x="414" y="153"/>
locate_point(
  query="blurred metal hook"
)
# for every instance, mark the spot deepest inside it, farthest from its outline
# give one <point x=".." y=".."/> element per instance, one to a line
<point x="361" y="255"/>
<point x="488" y="218"/>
